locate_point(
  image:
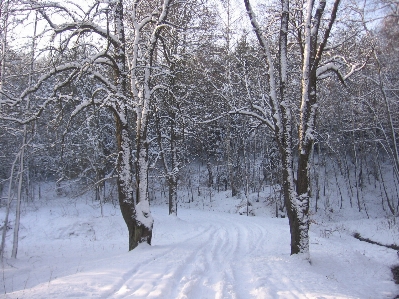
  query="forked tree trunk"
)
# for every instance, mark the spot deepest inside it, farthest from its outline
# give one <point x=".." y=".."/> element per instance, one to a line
<point x="139" y="226"/>
<point x="297" y="204"/>
<point x="135" y="213"/>
<point x="296" y="194"/>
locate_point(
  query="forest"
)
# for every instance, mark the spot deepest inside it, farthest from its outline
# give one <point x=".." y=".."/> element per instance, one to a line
<point x="290" y="106"/>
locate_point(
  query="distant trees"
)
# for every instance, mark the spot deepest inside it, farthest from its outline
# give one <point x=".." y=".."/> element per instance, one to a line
<point x="174" y="101"/>
<point x="376" y="100"/>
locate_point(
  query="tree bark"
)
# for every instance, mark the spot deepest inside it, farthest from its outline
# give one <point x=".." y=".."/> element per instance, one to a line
<point x="135" y="213"/>
<point x="172" y="184"/>
<point x="139" y="231"/>
<point x="296" y="194"/>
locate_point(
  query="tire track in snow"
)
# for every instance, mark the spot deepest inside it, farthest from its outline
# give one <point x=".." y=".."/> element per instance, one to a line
<point x="225" y="260"/>
<point x="176" y="273"/>
<point x="272" y="274"/>
<point x="206" y="276"/>
<point x="242" y="270"/>
<point x="214" y="255"/>
<point x="163" y="277"/>
<point x="134" y="279"/>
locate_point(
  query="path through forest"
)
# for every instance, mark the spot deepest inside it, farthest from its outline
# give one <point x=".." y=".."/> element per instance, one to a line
<point x="197" y="255"/>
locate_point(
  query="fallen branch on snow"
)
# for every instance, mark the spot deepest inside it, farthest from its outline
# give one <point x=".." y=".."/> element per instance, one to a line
<point x="359" y="237"/>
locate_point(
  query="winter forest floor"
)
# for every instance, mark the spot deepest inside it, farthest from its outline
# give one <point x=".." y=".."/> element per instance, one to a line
<point x="67" y="249"/>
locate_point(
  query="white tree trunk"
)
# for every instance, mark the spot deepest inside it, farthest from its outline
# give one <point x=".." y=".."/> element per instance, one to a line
<point x="9" y="199"/>
<point x="22" y="154"/>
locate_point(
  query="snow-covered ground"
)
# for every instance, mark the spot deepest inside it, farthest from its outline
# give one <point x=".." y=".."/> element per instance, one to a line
<point x="68" y="250"/>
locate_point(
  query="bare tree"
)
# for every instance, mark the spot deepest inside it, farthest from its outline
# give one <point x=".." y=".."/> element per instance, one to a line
<point x="311" y="31"/>
<point x="91" y="43"/>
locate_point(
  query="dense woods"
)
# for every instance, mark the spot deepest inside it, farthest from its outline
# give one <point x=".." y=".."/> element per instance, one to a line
<point x="121" y="97"/>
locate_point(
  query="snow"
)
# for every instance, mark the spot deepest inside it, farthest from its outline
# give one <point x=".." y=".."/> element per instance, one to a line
<point x="68" y="250"/>
<point x="144" y="214"/>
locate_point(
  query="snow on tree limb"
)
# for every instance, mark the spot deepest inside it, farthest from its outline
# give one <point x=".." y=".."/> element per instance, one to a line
<point x="323" y="43"/>
<point x="266" y="49"/>
<point x="76" y="26"/>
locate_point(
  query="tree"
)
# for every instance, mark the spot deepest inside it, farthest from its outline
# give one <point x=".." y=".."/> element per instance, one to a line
<point x="310" y="34"/>
<point x="98" y="36"/>
<point x="12" y="62"/>
<point x="172" y="103"/>
<point x="376" y="91"/>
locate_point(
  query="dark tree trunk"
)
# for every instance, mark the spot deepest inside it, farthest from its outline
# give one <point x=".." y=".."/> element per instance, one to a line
<point x="172" y="184"/>
<point x="210" y="174"/>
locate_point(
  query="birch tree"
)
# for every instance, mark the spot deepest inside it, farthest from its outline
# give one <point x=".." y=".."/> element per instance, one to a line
<point x="14" y="138"/>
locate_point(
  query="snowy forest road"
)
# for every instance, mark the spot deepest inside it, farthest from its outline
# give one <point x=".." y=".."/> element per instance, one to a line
<point x="211" y="255"/>
<point x="213" y="263"/>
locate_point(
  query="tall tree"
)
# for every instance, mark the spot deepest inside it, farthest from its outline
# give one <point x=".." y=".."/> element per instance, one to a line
<point x="122" y="69"/>
<point x="311" y="29"/>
